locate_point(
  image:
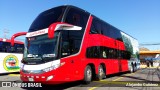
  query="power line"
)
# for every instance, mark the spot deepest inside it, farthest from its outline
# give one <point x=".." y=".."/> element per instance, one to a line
<point x="5" y="31"/>
<point x="149" y="44"/>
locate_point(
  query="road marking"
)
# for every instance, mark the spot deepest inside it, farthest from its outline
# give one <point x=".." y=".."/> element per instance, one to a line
<point x="99" y="85"/>
<point x="96" y="86"/>
<point x="117" y="79"/>
<point x="103" y="80"/>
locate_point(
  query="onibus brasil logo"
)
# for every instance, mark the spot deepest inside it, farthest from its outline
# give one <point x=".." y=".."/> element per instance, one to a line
<point x="11" y="63"/>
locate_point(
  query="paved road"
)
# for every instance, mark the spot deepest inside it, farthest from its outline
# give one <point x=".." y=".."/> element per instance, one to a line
<point x="143" y="79"/>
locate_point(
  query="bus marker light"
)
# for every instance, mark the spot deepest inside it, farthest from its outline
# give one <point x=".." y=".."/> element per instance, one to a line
<point x="43" y="76"/>
<point x="49" y="78"/>
<point x="62" y="63"/>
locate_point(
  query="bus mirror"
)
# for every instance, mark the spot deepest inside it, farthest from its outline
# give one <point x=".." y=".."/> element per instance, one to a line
<point x="61" y="26"/>
<point x="16" y="35"/>
<point x="51" y="30"/>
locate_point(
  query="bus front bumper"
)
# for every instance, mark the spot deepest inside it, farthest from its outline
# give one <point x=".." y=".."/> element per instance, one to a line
<point x="51" y="77"/>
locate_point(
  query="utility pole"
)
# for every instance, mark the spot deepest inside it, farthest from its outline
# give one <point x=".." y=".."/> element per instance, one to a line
<point x="5" y="32"/>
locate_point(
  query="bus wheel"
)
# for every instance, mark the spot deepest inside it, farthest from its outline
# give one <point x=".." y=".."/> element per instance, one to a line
<point x="132" y="68"/>
<point x="101" y="73"/>
<point x="87" y="75"/>
<point x="135" y="67"/>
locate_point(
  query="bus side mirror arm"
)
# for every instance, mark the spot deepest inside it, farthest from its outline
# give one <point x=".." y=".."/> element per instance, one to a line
<point x="16" y="35"/>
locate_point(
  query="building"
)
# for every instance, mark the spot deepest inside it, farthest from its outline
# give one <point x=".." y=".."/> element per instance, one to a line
<point x="153" y="56"/>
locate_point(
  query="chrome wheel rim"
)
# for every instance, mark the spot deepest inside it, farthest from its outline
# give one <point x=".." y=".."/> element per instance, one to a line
<point x="89" y="74"/>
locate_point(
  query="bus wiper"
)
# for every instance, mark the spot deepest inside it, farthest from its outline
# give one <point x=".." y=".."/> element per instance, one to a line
<point x="42" y="59"/>
<point x="36" y="57"/>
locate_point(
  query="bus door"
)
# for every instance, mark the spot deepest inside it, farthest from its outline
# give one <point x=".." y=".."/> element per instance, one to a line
<point x="75" y="61"/>
<point x="70" y="48"/>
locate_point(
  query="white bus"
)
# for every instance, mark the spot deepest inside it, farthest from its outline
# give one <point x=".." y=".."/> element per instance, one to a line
<point x="11" y="53"/>
<point x="10" y="56"/>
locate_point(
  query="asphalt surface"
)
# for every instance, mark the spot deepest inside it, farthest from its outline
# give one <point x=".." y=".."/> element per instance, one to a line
<point x="143" y="79"/>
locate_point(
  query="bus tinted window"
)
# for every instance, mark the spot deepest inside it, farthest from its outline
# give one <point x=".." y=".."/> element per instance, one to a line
<point x="107" y="53"/>
<point x="6" y="47"/>
<point x="93" y="52"/>
<point x="71" y="39"/>
<point x="100" y="27"/>
<point x="77" y="17"/>
<point x="106" y="29"/>
<point x="45" y="19"/>
<point x="71" y="42"/>
<point x="116" y="34"/>
<point x="96" y="27"/>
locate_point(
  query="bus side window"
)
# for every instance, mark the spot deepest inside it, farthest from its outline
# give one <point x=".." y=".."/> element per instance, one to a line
<point x="19" y="48"/>
<point x="89" y="52"/>
<point x="76" y="46"/>
<point x="12" y="49"/>
<point x="128" y="55"/>
<point x="93" y="29"/>
<point x="65" y="49"/>
<point x="105" y="52"/>
<point x="71" y="46"/>
<point x="111" y="53"/>
<point x="74" y="17"/>
<point x="1" y="49"/>
<point x="106" y="29"/>
<point x="93" y="52"/>
<point x="96" y="27"/>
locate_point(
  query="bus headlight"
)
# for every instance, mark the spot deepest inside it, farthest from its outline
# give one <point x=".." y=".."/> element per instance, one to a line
<point x="21" y="66"/>
<point x="43" y="70"/>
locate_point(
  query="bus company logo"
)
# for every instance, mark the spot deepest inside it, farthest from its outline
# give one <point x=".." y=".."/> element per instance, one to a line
<point x="40" y="32"/>
<point x="11" y="63"/>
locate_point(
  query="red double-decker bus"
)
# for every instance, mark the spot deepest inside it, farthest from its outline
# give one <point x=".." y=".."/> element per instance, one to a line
<point x="67" y="43"/>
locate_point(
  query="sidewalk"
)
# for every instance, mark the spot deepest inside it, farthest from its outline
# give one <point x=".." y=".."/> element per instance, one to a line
<point x="145" y="66"/>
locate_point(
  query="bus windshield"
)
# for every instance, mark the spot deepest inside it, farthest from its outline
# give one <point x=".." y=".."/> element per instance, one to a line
<point x="40" y="48"/>
<point x="7" y="48"/>
<point x="45" y="19"/>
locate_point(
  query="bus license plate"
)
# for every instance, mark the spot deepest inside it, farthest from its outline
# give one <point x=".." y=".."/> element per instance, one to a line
<point x="30" y="79"/>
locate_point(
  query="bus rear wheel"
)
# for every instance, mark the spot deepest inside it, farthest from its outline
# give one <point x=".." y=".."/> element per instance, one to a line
<point x="87" y="75"/>
<point x="101" y="72"/>
<point x="132" y="69"/>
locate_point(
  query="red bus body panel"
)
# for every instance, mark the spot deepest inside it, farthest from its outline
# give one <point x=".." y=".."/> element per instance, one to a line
<point x="74" y="66"/>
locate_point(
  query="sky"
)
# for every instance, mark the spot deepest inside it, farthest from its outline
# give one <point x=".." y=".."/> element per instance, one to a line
<point x="138" y="18"/>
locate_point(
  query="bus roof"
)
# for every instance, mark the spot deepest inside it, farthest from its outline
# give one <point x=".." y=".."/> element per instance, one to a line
<point x="68" y="6"/>
<point x="71" y="6"/>
<point x="8" y="40"/>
